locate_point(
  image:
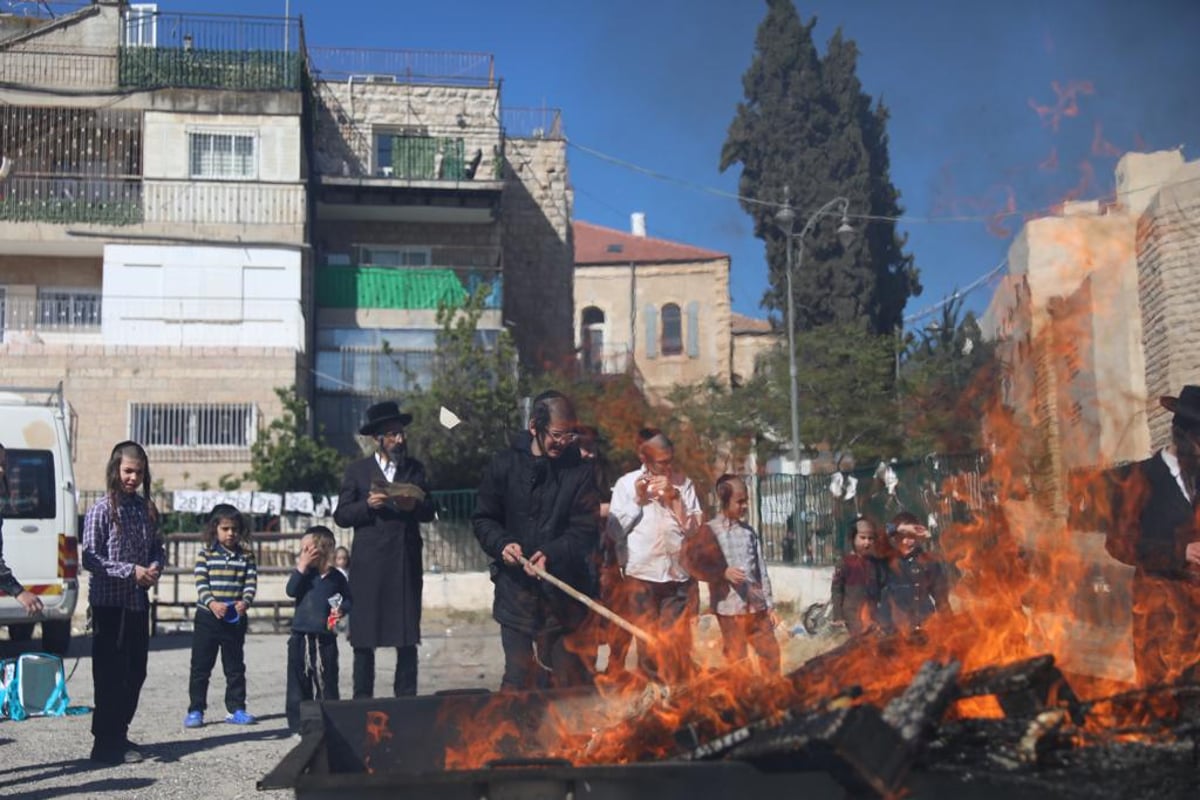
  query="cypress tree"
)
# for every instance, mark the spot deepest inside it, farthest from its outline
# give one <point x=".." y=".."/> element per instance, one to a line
<point x="807" y="124"/>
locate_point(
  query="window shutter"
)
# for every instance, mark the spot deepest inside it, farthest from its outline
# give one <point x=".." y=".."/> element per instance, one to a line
<point x="693" y="329"/>
<point x="651" y="314"/>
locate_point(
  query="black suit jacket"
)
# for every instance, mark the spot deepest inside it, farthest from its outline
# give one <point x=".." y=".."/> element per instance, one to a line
<point x="1152" y="520"/>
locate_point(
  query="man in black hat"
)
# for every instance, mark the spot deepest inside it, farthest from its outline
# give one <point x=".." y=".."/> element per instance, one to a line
<point x="1153" y="528"/>
<point x="387" y="576"/>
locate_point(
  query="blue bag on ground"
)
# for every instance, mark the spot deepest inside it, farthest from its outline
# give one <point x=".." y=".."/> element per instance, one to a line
<point x="34" y="685"/>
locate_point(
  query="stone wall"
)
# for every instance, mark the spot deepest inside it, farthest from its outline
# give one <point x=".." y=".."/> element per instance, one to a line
<point x="747" y="348"/>
<point x="539" y="253"/>
<point x="100" y="383"/>
<point x="1168" y="263"/>
<point x="350" y="113"/>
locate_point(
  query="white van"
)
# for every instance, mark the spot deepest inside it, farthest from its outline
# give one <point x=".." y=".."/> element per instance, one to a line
<point x="39" y="511"/>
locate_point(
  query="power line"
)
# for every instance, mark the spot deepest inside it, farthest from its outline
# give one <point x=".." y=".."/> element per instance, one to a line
<point x="958" y="293"/>
<point x="906" y="218"/>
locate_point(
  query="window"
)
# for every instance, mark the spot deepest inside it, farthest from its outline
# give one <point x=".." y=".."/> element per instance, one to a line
<point x="591" y="339"/>
<point x="141" y="25"/>
<point x="68" y="309"/>
<point x="31" y="492"/>
<point x="222" y="155"/>
<point x="393" y="256"/>
<point x="193" y="424"/>
<point x="672" y="330"/>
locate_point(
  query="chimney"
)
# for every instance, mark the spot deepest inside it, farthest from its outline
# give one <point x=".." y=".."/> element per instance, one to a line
<point x="637" y="223"/>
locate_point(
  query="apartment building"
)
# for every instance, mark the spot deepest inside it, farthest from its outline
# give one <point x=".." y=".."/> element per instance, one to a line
<point x="427" y="191"/>
<point x="153" y="228"/>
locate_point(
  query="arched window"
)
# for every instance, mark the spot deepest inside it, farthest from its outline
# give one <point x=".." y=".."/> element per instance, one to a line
<point x="672" y="330"/>
<point x="591" y="339"/>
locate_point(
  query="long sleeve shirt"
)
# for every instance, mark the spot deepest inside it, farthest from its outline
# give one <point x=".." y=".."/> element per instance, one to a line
<point x="8" y="582"/>
<point x="312" y="593"/>
<point x="739" y="543"/>
<point x="111" y="554"/>
<point x="653" y="534"/>
<point x="225" y="575"/>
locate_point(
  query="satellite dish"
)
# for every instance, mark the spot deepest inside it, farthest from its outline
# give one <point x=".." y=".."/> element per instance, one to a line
<point x="448" y="418"/>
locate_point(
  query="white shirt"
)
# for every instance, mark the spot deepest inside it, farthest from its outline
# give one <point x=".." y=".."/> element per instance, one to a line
<point x="388" y="467"/>
<point x="655" y="535"/>
<point x="1172" y="462"/>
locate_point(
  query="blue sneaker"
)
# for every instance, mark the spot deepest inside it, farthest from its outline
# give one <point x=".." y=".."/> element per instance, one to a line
<point x="194" y="719"/>
<point x="240" y="717"/>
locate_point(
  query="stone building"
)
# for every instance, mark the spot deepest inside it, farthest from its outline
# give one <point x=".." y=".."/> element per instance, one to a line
<point x="427" y="190"/>
<point x="199" y="209"/>
<point x="657" y="308"/>
<point x="153" y="220"/>
<point x="1096" y="319"/>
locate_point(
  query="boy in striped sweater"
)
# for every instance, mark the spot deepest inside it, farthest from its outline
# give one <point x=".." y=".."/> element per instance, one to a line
<point x="226" y="580"/>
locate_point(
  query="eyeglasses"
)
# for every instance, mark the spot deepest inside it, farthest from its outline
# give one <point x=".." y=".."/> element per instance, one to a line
<point x="395" y="436"/>
<point x="562" y="437"/>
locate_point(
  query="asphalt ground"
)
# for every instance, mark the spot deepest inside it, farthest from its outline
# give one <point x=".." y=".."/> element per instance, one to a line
<point x="47" y="757"/>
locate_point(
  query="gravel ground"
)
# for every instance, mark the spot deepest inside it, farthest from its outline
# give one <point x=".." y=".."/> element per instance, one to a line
<point x="47" y="757"/>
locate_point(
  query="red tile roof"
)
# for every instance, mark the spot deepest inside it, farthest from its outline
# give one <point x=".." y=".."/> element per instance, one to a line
<point x="595" y="244"/>
<point x="740" y="323"/>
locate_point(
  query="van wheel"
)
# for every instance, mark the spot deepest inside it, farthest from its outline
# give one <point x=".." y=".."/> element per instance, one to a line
<point x="56" y="637"/>
<point x="21" y="632"/>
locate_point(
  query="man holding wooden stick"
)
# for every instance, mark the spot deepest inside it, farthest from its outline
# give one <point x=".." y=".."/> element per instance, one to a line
<point x="536" y="514"/>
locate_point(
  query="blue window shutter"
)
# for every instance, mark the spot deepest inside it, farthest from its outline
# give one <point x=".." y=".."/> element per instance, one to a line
<point x="651" y="314"/>
<point x="693" y="329"/>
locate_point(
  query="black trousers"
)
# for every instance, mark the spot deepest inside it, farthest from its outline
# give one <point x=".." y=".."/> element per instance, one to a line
<point x="210" y="635"/>
<point x="522" y="670"/>
<point x="403" y="685"/>
<point x="120" y="647"/>
<point x="312" y="672"/>
<point x="740" y="632"/>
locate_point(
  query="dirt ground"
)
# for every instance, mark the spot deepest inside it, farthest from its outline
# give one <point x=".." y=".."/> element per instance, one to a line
<point x="47" y="757"/>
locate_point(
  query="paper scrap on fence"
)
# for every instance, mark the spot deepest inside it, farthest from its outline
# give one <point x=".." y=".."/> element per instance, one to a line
<point x="307" y="503"/>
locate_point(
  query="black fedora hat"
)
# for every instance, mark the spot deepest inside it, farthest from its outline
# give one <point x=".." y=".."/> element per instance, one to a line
<point x="381" y="414"/>
<point x="1185" y="407"/>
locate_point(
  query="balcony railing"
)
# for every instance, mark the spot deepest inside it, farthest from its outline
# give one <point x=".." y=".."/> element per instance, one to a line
<point x="208" y="51"/>
<point x="433" y="158"/>
<point x="75" y="199"/>
<point x="435" y="67"/>
<point x="533" y="123"/>
<point x="51" y="310"/>
<point x="371" y="370"/>
<point x="405" y="288"/>
<point x="224" y="203"/>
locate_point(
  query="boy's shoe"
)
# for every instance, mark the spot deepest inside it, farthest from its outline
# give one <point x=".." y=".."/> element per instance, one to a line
<point x="240" y="717"/>
<point x="194" y="719"/>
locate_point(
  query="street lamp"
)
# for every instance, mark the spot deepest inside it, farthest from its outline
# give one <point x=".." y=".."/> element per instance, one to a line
<point x="785" y="218"/>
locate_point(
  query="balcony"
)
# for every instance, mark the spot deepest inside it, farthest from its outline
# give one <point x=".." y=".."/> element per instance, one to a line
<point x="71" y="199"/>
<point x="404" y="288"/>
<point x="52" y="311"/>
<point x="209" y="51"/>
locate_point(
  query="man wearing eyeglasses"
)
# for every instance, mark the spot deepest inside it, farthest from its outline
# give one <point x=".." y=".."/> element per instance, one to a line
<point x="387" y="577"/>
<point x="538" y="501"/>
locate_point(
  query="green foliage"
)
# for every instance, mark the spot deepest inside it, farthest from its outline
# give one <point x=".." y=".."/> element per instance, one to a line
<point x="847" y="398"/>
<point x="805" y="123"/>
<point x="480" y="384"/>
<point x="285" y="458"/>
<point x="948" y="383"/>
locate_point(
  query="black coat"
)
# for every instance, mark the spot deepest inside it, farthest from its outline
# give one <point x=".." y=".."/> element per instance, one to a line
<point x="385" y="561"/>
<point x="543" y="504"/>
<point x="1151" y="519"/>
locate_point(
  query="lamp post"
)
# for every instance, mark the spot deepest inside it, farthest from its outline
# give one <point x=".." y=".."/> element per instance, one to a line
<point x="786" y="219"/>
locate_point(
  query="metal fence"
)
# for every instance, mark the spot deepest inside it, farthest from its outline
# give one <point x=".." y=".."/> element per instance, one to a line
<point x="533" y="123"/>
<point x="374" y="65"/>
<point x="808" y="519"/>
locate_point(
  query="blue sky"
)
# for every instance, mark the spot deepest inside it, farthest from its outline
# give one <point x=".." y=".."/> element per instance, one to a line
<point x="656" y="83"/>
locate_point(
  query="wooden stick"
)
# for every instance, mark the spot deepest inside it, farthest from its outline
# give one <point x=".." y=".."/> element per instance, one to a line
<point x="603" y="611"/>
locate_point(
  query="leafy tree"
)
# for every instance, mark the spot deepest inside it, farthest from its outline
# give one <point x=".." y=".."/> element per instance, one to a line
<point x="806" y="123"/>
<point x="284" y="458"/>
<point x="948" y="383"/>
<point x="478" y="380"/>
<point x="847" y="398"/>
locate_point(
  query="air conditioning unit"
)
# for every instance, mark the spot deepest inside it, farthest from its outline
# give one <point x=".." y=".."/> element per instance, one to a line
<point x="379" y="78"/>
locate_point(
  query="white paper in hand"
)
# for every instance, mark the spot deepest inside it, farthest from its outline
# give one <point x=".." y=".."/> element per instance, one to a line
<point x="448" y="418"/>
